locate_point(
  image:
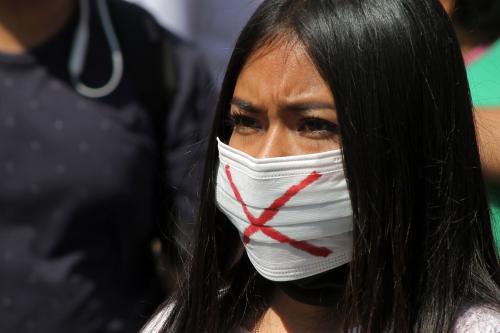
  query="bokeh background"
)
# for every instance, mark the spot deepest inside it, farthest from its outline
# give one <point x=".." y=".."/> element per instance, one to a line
<point x="212" y="24"/>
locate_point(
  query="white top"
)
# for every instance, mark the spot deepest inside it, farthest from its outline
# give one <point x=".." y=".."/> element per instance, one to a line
<point x="478" y="320"/>
<point x="474" y="320"/>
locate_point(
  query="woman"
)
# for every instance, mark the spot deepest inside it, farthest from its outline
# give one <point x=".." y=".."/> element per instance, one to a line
<point x="345" y="192"/>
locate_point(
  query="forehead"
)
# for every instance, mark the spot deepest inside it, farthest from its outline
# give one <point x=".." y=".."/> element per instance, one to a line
<point x="281" y="69"/>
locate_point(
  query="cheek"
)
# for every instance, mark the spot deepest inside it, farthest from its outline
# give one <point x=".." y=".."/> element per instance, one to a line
<point x="262" y="146"/>
<point x="309" y="146"/>
<point x="233" y="141"/>
<point x="242" y="143"/>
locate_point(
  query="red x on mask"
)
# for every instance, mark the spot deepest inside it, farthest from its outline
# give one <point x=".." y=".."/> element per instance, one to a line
<point x="258" y="223"/>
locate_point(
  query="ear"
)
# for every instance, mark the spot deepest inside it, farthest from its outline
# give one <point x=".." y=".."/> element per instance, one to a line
<point x="449" y="6"/>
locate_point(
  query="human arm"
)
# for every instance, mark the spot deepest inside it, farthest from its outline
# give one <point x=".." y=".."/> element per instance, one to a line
<point x="488" y="134"/>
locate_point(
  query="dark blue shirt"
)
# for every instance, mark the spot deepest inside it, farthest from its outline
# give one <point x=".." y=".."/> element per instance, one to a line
<point x="79" y="200"/>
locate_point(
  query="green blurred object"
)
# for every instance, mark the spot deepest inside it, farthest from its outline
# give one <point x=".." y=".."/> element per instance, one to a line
<point x="484" y="80"/>
<point x="495" y="213"/>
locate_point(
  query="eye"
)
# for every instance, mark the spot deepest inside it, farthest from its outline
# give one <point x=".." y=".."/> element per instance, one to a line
<point x="318" y="127"/>
<point x="243" y="124"/>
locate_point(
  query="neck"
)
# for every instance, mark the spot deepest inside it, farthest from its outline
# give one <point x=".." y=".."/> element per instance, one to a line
<point x="27" y="23"/>
<point x="287" y="315"/>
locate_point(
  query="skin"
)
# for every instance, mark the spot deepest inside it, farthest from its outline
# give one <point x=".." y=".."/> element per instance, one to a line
<point x="448" y="5"/>
<point x="27" y="23"/>
<point x="281" y="107"/>
<point x="488" y="132"/>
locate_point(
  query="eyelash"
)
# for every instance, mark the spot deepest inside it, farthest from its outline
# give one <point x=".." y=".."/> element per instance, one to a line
<point x="317" y="126"/>
<point x="238" y="120"/>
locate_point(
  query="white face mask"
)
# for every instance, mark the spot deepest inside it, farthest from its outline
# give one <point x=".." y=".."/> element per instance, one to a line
<point x="293" y="213"/>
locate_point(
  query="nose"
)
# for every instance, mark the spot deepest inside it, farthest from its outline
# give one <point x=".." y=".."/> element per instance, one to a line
<point x="276" y="143"/>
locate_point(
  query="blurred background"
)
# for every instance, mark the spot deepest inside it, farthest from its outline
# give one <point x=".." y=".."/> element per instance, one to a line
<point x="212" y="24"/>
<point x="103" y="121"/>
<point x="95" y="188"/>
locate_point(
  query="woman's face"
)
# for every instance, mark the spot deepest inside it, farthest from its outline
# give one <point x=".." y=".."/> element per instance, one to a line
<point x="281" y="106"/>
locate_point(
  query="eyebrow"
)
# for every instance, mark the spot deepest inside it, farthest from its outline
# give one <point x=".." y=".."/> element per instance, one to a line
<point x="299" y="107"/>
<point x="303" y="107"/>
<point x="244" y="105"/>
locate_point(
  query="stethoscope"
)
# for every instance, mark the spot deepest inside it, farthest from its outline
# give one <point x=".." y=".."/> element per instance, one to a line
<point x="79" y="51"/>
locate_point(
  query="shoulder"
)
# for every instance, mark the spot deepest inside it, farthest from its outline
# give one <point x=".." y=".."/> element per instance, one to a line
<point x="146" y="45"/>
<point x="156" y="323"/>
<point x="142" y="33"/>
<point x="136" y="20"/>
<point x="124" y="10"/>
<point x="478" y="319"/>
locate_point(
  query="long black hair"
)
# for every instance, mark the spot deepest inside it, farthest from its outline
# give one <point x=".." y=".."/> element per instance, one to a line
<point x="479" y="17"/>
<point x="423" y="245"/>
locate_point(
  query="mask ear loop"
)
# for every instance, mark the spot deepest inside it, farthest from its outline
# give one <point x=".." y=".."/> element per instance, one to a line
<point x="79" y="52"/>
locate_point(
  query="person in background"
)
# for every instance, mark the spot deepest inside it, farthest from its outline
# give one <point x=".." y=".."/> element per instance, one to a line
<point x="101" y="113"/>
<point x="343" y="190"/>
<point x="477" y="24"/>
<point x="213" y="25"/>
